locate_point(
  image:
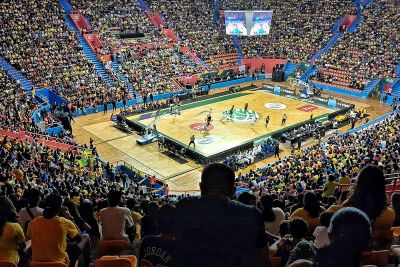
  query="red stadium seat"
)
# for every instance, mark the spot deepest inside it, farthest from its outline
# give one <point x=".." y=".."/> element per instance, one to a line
<point x="112" y="247"/>
<point x="7" y="264"/>
<point x="115" y="261"/>
<point x="47" y="264"/>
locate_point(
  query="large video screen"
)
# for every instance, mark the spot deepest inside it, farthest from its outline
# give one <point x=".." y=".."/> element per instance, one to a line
<point x="248" y="23"/>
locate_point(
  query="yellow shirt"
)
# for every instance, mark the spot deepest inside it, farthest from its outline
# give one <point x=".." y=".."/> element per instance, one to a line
<point x="49" y="238"/>
<point x="302" y="213"/>
<point x="12" y="236"/>
<point x="137" y="219"/>
<point x="385" y="220"/>
<point x="344" y="180"/>
<point x="329" y="189"/>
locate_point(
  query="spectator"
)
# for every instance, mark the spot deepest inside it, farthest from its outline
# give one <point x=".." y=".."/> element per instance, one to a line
<point x="11" y="234"/>
<point x="330" y="186"/>
<point x="273" y="217"/>
<point x="247" y="199"/>
<point x="321" y="232"/>
<point x="148" y="221"/>
<point x="209" y="225"/>
<point x="160" y="249"/>
<point x="31" y="211"/>
<point x="49" y="234"/>
<point x="116" y="222"/>
<point x="310" y="212"/>
<point x="349" y="233"/>
<point x="298" y="230"/>
<point x="299" y="204"/>
<point x="370" y="196"/>
<point x="136" y="216"/>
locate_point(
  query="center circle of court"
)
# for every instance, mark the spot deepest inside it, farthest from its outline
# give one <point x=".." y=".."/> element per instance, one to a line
<point x="199" y="126"/>
<point x="276" y="106"/>
<point x="241" y="115"/>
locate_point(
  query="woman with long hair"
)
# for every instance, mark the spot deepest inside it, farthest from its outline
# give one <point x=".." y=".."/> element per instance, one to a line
<point x="310" y="212"/>
<point x="11" y="234"/>
<point x="273" y="217"/>
<point x="370" y="196"/>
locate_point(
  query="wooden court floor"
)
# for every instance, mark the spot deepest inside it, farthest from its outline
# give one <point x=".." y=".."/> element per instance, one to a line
<point x="114" y="145"/>
<point x="229" y="134"/>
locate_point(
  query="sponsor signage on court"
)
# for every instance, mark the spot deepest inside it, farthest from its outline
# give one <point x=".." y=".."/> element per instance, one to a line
<point x="307" y="108"/>
<point x="277" y="106"/>
<point x="199" y="126"/>
<point x="204" y="140"/>
<point x="325" y="101"/>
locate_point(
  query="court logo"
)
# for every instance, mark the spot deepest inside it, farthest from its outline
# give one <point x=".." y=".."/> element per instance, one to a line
<point x="200" y="127"/>
<point x="204" y="140"/>
<point x="241" y="115"/>
<point x="276" y="106"/>
<point x="307" y="108"/>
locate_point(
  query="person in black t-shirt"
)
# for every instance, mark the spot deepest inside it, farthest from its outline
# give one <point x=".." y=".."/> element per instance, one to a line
<point x="159" y="250"/>
<point x="215" y="231"/>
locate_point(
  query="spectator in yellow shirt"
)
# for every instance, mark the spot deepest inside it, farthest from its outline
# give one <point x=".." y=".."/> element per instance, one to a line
<point x="330" y="186"/>
<point x="310" y="212"/>
<point x="49" y="233"/>
<point x="344" y="179"/>
<point x="11" y="234"/>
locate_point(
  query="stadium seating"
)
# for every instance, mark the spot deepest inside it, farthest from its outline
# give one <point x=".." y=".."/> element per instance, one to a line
<point x="35" y="40"/>
<point x="367" y="53"/>
<point x="299" y="28"/>
<point x="7" y="264"/>
<point x="194" y="24"/>
<point x="47" y="264"/>
<point x="114" y="261"/>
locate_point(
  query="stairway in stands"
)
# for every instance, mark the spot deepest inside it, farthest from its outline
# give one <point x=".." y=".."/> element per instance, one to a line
<point x="90" y="55"/>
<point x="16" y="75"/>
<point x="310" y="71"/>
<point x="370" y="87"/>
<point x="396" y="88"/>
<point x="238" y="47"/>
<point x="289" y="68"/>
<point x="398" y="70"/>
<point x="115" y="66"/>
<point x="326" y="48"/>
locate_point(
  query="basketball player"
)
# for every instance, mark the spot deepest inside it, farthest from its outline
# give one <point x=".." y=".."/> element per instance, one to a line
<point x="208" y="120"/>
<point x="192" y="138"/>
<point x="266" y="121"/>
<point x="284" y="118"/>
<point x="232" y="110"/>
<point x="246" y="106"/>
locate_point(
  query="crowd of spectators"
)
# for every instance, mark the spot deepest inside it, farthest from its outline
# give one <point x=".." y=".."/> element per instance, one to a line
<point x="368" y="53"/>
<point x="341" y="156"/>
<point x="153" y="70"/>
<point x="35" y="40"/>
<point x="299" y="28"/>
<point x="15" y="107"/>
<point x="110" y="18"/>
<point x="194" y="24"/>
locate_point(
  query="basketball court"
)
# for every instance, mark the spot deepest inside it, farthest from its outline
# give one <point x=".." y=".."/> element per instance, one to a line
<point x="242" y="127"/>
